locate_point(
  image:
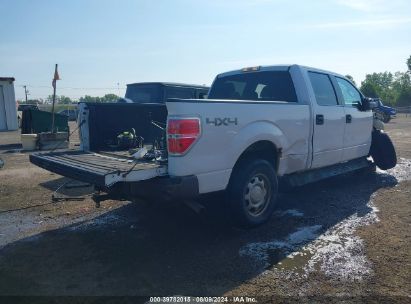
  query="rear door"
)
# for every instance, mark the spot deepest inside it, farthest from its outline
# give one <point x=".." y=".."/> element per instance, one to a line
<point x="358" y="124"/>
<point x="328" y="120"/>
<point x="179" y="92"/>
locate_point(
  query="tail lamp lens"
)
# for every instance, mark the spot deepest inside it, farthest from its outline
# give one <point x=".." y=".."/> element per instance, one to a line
<point x="181" y="134"/>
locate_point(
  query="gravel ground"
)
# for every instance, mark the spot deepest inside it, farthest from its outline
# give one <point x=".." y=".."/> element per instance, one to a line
<point x="346" y="238"/>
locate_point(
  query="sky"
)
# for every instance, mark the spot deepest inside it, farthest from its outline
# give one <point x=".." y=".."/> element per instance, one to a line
<point x="102" y="45"/>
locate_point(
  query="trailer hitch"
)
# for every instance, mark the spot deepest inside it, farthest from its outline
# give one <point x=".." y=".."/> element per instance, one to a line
<point x="98" y="197"/>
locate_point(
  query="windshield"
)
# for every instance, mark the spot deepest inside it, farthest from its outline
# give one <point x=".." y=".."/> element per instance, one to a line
<point x="145" y="93"/>
<point x="264" y="86"/>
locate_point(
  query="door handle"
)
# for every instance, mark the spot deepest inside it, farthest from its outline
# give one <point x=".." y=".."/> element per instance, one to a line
<point x="348" y="118"/>
<point x="319" y="119"/>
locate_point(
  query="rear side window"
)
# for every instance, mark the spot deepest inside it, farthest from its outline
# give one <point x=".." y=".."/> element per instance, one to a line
<point x="264" y="86"/>
<point x="323" y="89"/>
<point x="180" y="92"/>
<point x="145" y="93"/>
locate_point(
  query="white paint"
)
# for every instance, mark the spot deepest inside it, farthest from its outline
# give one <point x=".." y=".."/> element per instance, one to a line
<point x="338" y="252"/>
<point x="260" y="250"/>
<point x="401" y="172"/>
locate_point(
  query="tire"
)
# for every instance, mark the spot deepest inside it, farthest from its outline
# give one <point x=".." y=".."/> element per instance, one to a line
<point x="383" y="151"/>
<point x="378" y="115"/>
<point x="252" y="193"/>
<point x="386" y="118"/>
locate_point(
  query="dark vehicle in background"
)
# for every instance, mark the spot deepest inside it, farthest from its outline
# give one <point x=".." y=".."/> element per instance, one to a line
<point x="159" y="92"/>
<point x="70" y="113"/>
<point x="383" y="112"/>
<point x="21" y="108"/>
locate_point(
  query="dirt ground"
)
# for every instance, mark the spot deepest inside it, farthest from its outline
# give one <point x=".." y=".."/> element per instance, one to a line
<point x="346" y="238"/>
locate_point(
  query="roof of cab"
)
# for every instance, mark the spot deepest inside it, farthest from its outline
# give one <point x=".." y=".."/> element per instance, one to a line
<point x="279" y="67"/>
<point x="7" y="79"/>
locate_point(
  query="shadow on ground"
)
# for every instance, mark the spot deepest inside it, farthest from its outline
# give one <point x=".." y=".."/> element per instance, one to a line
<point x="140" y="249"/>
<point x="10" y="148"/>
<point x="68" y="187"/>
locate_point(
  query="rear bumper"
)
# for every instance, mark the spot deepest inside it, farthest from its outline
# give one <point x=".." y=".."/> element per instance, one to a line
<point x="163" y="188"/>
<point x="180" y="187"/>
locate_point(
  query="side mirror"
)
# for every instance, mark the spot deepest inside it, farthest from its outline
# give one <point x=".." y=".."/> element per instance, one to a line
<point x="368" y="104"/>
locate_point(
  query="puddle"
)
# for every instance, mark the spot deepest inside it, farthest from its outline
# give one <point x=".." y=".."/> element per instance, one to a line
<point x="98" y="223"/>
<point x="295" y="262"/>
<point x="20" y="225"/>
<point x="337" y="252"/>
<point x="266" y="253"/>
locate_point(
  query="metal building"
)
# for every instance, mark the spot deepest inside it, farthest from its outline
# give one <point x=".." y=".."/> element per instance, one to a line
<point x="8" y="109"/>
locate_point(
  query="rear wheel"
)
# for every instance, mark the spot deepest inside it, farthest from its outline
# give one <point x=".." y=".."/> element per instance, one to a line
<point x="383" y="151"/>
<point x="252" y="192"/>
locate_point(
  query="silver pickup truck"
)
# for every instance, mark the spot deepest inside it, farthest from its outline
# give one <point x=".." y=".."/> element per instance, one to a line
<point x="260" y="126"/>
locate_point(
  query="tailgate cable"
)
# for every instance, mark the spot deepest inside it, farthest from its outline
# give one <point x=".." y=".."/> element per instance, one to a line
<point x="56" y="198"/>
<point x="156" y="124"/>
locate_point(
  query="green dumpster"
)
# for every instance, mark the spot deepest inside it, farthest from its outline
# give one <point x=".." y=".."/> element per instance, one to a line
<point x="36" y="121"/>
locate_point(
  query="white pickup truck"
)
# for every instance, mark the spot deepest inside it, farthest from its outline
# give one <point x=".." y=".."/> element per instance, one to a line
<point x="260" y="126"/>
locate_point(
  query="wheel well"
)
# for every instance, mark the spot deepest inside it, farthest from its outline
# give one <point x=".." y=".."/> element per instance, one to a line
<point x="262" y="150"/>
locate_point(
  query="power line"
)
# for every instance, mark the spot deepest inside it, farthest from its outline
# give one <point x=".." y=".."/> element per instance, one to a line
<point x="74" y="88"/>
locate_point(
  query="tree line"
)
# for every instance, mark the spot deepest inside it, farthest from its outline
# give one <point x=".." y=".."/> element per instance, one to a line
<point x="393" y="89"/>
<point x="67" y="100"/>
<point x="61" y="99"/>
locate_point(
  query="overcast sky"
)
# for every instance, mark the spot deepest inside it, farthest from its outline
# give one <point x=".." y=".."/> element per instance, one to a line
<point x="99" y="44"/>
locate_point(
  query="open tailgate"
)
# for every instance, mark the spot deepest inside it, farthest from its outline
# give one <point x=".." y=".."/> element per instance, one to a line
<point x="97" y="169"/>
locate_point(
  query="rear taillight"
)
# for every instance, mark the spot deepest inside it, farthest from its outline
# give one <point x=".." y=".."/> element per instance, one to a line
<point x="181" y="134"/>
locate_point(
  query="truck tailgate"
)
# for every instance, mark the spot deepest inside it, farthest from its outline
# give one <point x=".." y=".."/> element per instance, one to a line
<point x="97" y="169"/>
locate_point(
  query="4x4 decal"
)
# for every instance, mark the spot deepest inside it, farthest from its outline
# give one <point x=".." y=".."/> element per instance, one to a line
<point x="221" y="121"/>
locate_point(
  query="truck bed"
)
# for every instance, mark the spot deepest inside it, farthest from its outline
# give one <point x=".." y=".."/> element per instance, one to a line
<point x="97" y="169"/>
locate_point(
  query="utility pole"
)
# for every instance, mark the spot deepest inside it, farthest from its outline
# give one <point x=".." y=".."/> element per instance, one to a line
<point x="25" y="91"/>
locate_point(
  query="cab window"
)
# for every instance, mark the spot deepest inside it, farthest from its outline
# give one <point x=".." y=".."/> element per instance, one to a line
<point x="261" y="86"/>
<point x="350" y="94"/>
<point x="323" y="89"/>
